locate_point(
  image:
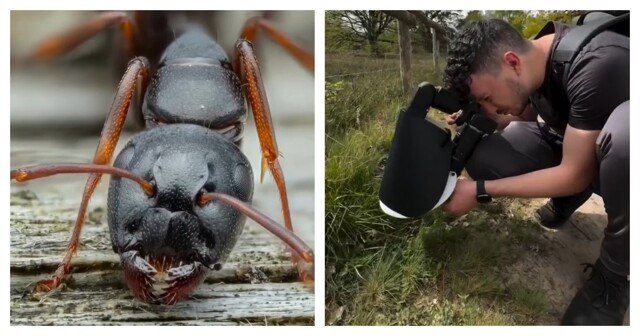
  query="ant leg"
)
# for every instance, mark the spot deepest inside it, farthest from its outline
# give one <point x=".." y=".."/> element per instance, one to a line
<point x="65" y="42"/>
<point x="128" y="25"/>
<point x="249" y="73"/>
<point x="255" y="24"/>
<point x="138" y="69"/>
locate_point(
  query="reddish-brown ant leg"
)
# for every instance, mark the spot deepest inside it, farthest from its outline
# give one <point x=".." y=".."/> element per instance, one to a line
<point x="141" y="34"/>
<point x="255" y="24"/>
<point x="63" y="43"/>
<point x="138" y="68"/>
<point x="249" y="73"/>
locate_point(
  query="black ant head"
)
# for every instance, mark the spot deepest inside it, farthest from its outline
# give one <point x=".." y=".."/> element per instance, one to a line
<point x="168" y="242"/>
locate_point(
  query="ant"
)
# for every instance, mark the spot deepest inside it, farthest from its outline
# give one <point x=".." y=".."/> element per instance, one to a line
<point x="181" y="189"/>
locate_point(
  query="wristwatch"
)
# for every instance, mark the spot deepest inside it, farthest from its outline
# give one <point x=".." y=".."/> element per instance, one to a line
<point x="481" y="193"/>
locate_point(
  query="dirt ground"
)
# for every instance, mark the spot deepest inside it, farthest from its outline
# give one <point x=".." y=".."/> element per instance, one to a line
<point x="555" y="266"/>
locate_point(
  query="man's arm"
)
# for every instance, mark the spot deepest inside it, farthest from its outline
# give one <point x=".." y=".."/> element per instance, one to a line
<point x="597" y="84"/>
<point x="574" y="174"/>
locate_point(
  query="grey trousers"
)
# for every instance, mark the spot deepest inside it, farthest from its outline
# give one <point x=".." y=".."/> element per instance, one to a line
<point x="524" y="147"/>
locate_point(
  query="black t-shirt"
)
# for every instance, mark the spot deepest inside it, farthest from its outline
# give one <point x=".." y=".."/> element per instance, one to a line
<point x="598" y="81"/>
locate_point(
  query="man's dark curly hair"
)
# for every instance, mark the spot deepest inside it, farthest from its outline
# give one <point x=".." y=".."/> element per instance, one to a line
<point x="478" y="48"/>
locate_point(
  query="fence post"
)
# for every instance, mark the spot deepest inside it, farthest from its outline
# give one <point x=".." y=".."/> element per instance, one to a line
<point x="404" y="37"/>
<point x="434" y="47"/>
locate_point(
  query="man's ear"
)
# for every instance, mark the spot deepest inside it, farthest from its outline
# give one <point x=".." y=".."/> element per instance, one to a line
<point x="513" y="61"/>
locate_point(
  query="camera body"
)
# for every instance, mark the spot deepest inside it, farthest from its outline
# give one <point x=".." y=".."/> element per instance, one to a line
<point x="424" y="160"/>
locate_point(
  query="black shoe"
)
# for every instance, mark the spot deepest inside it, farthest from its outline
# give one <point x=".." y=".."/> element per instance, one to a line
<point x="549" y="218"/>
<point x="556" y="212"/>
<point x="603" y="300"/>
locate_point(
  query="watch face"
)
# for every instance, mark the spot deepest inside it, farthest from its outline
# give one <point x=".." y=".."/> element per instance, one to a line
<point x="484" y="198"/>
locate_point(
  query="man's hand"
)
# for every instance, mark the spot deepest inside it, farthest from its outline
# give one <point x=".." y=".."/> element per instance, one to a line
<point x="502" y="121"/>
<point x="463" y="198"/>
<point x="451" y="118"/>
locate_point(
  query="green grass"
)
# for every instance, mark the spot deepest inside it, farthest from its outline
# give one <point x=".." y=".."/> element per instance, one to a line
<point x="359" y="89"/>
<point x="432" y="271"/>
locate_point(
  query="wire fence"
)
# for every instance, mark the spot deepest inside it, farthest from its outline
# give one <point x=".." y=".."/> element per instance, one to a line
<point x="361" y="73"/>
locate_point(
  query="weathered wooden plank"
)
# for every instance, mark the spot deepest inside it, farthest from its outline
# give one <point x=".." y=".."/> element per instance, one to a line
<point x="40" y="230"/>
<point x="264" y="303"/>
<point x="251" y="293"/>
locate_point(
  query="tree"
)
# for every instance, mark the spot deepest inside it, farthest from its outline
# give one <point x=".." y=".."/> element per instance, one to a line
<point x="517" y="18"/>
<point x="472" y="16"/>
<point x="542" y="17"/>
<point x="450" y="20"/>
<point x="528" y="23"/>
<point x="338" y="36"/>
<point x="365" y="25"/>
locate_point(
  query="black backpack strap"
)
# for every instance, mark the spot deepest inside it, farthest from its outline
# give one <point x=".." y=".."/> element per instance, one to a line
<point x="571" y="44"/>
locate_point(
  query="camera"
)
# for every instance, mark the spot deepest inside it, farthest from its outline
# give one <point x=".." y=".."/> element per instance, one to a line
<point x="426" y="159"/>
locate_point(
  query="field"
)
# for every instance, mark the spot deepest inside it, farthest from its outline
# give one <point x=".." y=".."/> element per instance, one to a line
<point x="494" y="266"/>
